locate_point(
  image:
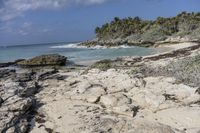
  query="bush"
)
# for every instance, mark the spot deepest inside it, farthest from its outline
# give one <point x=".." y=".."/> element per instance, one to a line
<point x="185" y="71"/>
<point x="102" y="65"/>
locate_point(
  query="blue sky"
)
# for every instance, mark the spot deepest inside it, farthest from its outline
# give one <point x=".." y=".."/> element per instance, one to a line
<point x="43" y="21"/>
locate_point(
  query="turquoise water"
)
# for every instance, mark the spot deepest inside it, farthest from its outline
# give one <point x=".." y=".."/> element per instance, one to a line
<point x="75" y="54"/>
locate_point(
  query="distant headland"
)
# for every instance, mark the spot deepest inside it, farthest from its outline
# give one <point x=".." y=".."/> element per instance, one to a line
<point x="185" y="27"/>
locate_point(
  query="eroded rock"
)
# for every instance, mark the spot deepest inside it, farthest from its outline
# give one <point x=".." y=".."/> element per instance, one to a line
<point x="44" y="60"/>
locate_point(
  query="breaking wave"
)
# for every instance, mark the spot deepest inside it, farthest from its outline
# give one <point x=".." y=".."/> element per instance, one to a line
<point x="76" y="45"/>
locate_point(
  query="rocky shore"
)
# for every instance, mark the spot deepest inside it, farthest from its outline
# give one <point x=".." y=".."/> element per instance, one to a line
<point x="154" y="94"/>
<point x="141" y="43"/>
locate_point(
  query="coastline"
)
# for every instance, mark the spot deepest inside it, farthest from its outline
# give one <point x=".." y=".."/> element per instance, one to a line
<point x="127" y="94"/>
<point x="131" y="74"/>
<point x="158" y="48"/>
<point x="151" y="108"/>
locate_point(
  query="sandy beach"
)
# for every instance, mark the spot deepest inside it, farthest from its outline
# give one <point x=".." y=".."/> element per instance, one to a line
<point x="162" y="48"/>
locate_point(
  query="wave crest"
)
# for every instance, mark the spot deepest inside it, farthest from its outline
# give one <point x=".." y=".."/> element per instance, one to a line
<point x="76" y="45"/>
<point x="70" y="45"/>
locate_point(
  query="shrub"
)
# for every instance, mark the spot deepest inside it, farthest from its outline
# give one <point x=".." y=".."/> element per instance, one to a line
<point x="102" y="65"/>
<point x="185" y="71"/>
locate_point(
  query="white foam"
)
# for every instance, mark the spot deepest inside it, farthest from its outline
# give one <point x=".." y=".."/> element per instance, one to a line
<point x="126" y="46"/>
<point x="70" y="45"/>
<point x="76" y="45"/>
<point x="115" y="47"/>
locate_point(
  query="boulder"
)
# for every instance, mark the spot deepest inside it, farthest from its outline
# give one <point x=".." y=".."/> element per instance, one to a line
<point x="44" y="60"/>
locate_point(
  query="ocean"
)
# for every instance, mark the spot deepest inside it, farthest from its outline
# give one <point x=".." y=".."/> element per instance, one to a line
<point x="75" y="53"/>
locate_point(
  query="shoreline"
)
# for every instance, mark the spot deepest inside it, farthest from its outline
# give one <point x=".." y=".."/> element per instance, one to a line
<point x="126" y="94"/>
<point x="159" y="49"/>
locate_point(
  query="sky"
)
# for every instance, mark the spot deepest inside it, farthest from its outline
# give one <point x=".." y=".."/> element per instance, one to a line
<point x="50" y="21"/>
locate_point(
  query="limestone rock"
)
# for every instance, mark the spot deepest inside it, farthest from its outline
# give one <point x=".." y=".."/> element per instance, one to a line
<point x="108" y="100"/>
<point x="94" y="93"/>
<point x="152" y="128"/>
<point x="114" y="100"/>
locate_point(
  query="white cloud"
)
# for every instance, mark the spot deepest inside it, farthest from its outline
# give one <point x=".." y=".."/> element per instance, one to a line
<point x="24" y="33"/>
<point x="10" y="9"/>
<point x="22" y="29"/>
<point x="26" y="24"/>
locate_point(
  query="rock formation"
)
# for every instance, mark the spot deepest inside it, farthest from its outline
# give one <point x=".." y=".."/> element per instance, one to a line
<point x="44" y="60"/>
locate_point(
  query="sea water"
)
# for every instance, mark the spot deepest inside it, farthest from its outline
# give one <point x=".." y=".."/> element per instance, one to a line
<point x="74" y="52"/>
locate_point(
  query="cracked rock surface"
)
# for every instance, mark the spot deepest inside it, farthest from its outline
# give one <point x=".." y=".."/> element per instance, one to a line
<point x="17" y="100"/>
<point x="114" y="101"/>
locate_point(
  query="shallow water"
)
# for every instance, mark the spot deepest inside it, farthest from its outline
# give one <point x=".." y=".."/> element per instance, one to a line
<point x="79" y="55"/>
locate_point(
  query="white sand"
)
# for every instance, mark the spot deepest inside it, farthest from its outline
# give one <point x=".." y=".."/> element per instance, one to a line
<point x="170" y="47"/>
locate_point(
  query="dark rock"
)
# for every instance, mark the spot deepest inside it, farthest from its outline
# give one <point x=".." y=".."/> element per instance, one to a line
<point x="19" y="60"/>
<point x="44" y="60"/>
<point x="21" y="105"/>
<point x="6" y="73"/>
<point x="45" y="73"/>
<point x="7" y="64"/>
<point x="28" y="89"/>
<point x="17" y="115"/>
<point x="25" y="77"/>
<point x="198" y="91"/>
<point x="17" y="102"/>
<point x="1" y="101"/>
<point x="49" y="130"/>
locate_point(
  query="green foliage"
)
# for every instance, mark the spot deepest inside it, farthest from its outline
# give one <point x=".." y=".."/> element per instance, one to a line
<point x="102" y="65"/>
<point x="186" y="70"/>
<point x="122" y="28"/>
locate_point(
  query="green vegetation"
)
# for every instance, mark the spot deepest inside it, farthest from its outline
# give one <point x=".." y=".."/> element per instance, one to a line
<point x="186" y="70"/>
<point x="103" y="65"/>
<point x="145" y="31"/>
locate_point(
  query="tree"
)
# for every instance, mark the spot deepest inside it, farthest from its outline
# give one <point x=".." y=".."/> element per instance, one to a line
<point x="116" y="19"/>
<point x="97" y="29"/>
<point x="137" y="19"/>
<point x="160" y="20"/>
